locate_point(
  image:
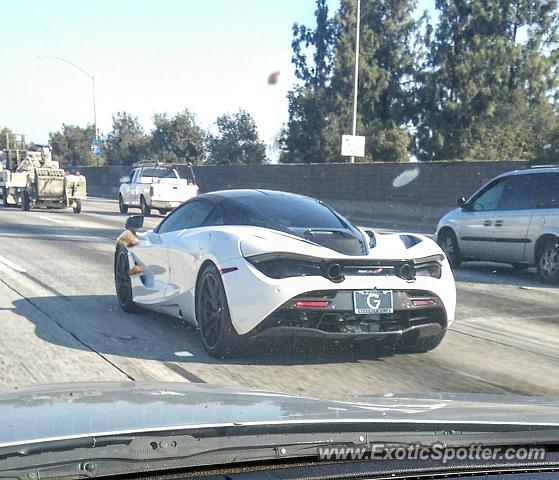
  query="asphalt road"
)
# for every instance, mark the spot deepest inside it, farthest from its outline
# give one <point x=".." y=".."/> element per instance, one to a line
<point x="61" y="322"/>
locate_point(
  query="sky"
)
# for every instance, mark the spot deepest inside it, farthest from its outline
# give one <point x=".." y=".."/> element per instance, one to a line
<point x="147" y="57"/>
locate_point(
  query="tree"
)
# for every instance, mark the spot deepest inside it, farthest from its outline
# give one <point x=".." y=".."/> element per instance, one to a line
<point x="127" y="142"/>
<point x="320" y="110"/>
<point x="237" y="142"/>
<point x="386" y="63"/>
<point x="480" y="73"/>
<point x="308" y="136"/>
<point x="3" y="132"/>
<point x="178" y="139"/>
<point x="71" y="146"/>
<point x="311" y="134"/>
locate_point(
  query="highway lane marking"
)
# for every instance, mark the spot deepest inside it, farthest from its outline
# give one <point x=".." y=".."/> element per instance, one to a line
<point x="50" y="219"/>
<point x="12" y="265"/>
<point x="184" y="354"/>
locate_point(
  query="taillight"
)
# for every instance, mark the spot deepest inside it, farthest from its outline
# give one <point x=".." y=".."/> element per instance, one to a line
<point x="423" y="302"/>
<point x="136" y="270"/>
<point x="284" y="266"/>
<point x="128" y="239"/>
<point x="311" y="303"/>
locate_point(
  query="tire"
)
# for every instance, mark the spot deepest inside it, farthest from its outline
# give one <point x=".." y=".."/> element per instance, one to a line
<point x="420" y="345"/>
<point x="77" y="206"/>
<point x="122" y="281"/>
<point x="449" y="244"/>
<point x="547" y="262"/>
<point x="163" y="212"/>
<point x="121" y="205"/>
<point x="218" y="335"/>
<point x="25" y="201"/>
<point x="144" y="207"/>
<point x="5" y="197"/>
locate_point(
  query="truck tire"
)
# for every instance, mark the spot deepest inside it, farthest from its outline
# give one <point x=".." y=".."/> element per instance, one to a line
<point x="144" y="207"/>
<point x="25" y="201"/>
<point x="5" y="197"/>
<point x="77" y="205"/>
<point x="121" y="205"/>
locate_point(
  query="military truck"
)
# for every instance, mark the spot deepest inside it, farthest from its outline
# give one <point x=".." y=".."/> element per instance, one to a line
<point x="35" y="180"/>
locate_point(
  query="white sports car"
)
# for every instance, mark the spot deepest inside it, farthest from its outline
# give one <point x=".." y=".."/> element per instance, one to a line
<point x="245" y="263"/>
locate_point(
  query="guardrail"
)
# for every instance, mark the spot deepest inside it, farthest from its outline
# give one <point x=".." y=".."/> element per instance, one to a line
<point x="381" y="194"/>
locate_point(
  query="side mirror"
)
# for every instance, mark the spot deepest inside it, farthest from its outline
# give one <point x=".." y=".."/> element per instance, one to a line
<point x="464" y="205"/>
<point x="134" y="223"/>
<point x="125" y="179"/>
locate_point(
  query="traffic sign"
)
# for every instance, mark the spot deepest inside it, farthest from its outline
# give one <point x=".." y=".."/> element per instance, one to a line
<point x="353" y="146"/>
<point x="96" y="146"/>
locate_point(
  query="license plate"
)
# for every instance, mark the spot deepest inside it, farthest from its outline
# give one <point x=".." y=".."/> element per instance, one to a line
<point x="367" y="302"/>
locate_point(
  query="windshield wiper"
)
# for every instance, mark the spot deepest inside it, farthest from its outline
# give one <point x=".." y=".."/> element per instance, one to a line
<point x="110" y="455"/>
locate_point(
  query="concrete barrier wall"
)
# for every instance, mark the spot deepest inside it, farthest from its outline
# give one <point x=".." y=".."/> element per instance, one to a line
<point x="383" y="194"/>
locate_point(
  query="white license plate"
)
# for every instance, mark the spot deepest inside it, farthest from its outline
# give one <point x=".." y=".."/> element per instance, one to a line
<point x="370" y="302"/>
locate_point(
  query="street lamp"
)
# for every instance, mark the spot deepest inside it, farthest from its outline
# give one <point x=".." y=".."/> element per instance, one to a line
<point x="91" y="77"/>
<point x="356" y="75"/>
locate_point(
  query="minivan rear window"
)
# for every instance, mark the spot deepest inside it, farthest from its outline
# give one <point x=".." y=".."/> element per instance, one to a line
<point x="546" y="190"/>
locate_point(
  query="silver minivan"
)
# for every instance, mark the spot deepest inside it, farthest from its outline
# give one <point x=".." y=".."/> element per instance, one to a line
<point x="512" y="219"/>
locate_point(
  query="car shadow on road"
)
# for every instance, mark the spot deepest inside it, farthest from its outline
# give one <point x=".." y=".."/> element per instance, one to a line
<point x="499" y="274"/>
<point x="96" y="323"/>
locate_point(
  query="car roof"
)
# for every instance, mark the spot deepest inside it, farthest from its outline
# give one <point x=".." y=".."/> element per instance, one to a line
<point x="535" y="169"/>
<point x="220" y="195"/>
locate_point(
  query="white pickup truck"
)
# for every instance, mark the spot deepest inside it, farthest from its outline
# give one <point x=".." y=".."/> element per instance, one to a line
<point x="155" y="187"/>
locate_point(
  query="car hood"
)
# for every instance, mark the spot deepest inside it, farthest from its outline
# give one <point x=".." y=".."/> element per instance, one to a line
<point x="54" y="412"/>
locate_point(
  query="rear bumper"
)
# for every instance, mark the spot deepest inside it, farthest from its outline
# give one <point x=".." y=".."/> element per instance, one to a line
<point x="338" y="320"/>
<point x="421" y="331"/>
<point x="165" y="204"/>
<point x="254" y="298"/>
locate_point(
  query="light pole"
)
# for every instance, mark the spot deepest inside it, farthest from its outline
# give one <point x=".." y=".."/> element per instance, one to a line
<point x="91" y="77"/>
<point x="356" y="74"/>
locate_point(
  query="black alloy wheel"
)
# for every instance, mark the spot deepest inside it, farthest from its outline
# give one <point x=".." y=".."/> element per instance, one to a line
<point x="212" y="313"/>
<point x="122" y="281"/>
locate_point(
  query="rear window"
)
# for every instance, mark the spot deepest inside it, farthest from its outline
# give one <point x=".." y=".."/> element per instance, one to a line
<point x="276" y="210"/>
<point x="159" y="173"/>
<point x="546" y="190"/>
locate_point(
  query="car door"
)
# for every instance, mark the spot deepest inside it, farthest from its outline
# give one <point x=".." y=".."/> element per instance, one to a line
<point x="185" y="244"/>
<point x="152" y="256"/>
<point x="512" y="219"/>
<point x="474" y="226"/>
<point x="135" y="187"/>
<point x="125" y="189"/>
<point x="545" y="216"/>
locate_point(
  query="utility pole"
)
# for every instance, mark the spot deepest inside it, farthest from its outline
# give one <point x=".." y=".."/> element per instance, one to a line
<point x="356" y="74"/>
